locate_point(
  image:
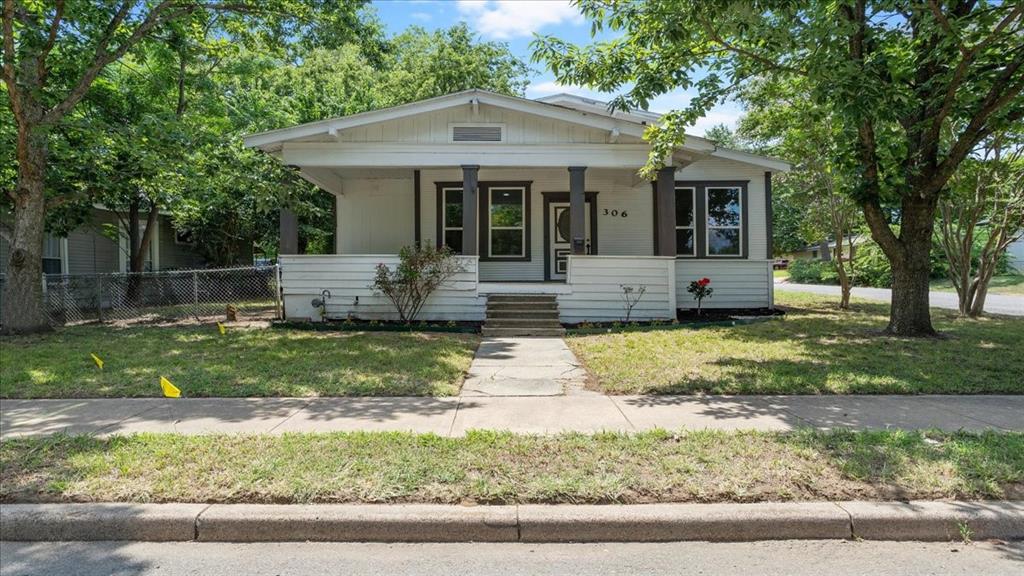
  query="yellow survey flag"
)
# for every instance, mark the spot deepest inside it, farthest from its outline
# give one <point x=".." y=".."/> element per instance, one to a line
<point x="170" y="390"/>
<point x="97" y="360"/>
<point x="221" y="328"/>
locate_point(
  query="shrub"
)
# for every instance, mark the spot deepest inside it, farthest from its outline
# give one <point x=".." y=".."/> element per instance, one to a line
<point x="813" y="272"/>
<point x="420" y="271"/>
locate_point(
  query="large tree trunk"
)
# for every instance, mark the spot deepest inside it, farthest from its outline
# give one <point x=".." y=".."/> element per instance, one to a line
<point x="911" y="268"/>
<point x="24" y="310"/>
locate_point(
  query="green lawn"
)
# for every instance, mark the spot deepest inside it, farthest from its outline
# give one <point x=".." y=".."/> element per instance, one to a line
<point x="243" y="362"/>
<point x="780" y="273"/>
<point x="1012" y="284"/>
<point x="491" y="467"/>
<point x="814" y="349"/>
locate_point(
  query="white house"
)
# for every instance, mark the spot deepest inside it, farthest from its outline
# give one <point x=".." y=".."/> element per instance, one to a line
<point x="540" y="197"/>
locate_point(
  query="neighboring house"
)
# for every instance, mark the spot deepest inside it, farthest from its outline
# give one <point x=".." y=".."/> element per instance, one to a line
<point x="818" y="251"/>
<point x="539" y="196"/>
<point x="89" y="250"/>
<point x="1015" y="256"/>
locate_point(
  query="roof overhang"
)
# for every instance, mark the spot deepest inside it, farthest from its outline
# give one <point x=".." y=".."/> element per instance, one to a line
<point x="588" y="114"/>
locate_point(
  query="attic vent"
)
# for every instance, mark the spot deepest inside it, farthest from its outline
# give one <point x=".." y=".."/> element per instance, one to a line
<point x="478" y="133"/>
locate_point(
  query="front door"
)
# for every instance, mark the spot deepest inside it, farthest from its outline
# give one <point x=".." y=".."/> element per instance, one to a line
<point x="559" y="237"/>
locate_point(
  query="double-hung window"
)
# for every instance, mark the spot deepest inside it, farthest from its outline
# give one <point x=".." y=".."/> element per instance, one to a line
<point x="52" y="258"/>
<point x="506" y="209"/>
<point x="724" y="220"/>
<point x="451" y="223"/>
<point x="686" y="237"/>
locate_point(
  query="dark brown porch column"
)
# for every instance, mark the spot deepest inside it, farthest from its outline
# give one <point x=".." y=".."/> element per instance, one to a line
<point x="469" y="206"/>
<point x="665" y="193"/>
<point x="289" y="232"/>
<point x="577" y="203"/>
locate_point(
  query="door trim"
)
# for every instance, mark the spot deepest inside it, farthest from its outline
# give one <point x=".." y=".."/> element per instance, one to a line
<point x="549" y="197"/>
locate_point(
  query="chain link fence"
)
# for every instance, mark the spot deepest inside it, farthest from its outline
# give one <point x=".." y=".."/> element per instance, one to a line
<point x="249" y="293"/>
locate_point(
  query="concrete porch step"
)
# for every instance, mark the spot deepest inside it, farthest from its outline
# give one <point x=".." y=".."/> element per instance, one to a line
<point x="510" y="332"/>
<point x="551" y="314"/>
<point x="526" y="306"/>
<point x="518" y="298"/>
<point x="523" y="323"/>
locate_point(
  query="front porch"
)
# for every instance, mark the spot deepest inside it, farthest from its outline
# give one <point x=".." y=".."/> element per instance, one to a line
<point x="521" y="222"/>
<point x="592" y="292"/>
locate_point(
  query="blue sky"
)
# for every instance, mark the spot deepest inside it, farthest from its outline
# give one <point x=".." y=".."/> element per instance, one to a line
<point x="515" y="22"/>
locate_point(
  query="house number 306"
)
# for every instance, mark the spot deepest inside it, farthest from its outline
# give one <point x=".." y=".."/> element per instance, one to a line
<point x="615" y="213"/>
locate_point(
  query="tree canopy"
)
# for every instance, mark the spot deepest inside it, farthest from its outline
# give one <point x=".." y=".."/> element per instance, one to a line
<point x="912" y="86"/>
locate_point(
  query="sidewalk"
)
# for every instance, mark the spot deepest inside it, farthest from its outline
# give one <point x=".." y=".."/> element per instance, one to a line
<point x="994" y="303"/>
<point x="539" y="414"/>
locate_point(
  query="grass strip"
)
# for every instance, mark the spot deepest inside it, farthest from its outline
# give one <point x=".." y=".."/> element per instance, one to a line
<point x="495" y="467"/>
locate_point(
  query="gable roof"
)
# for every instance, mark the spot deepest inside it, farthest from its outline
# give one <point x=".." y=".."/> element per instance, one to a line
<point x="564" y="107"/>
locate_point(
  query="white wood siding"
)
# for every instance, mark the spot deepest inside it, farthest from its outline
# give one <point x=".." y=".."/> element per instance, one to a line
<point x="375" y="215"/>
<point x="596" y="283"/>
<point x="736" y="283"/>
<point x="349" y="279"/>
<point x="520" y="128"/>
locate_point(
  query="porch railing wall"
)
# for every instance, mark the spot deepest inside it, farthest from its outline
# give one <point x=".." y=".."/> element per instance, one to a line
<point x="344" y="282"/>
<point x="599" y="284"/>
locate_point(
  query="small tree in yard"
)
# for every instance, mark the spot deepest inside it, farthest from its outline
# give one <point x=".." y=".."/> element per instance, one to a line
<point x="420" y="271"/>
<point x="700" y="289"/>
<point x="984" y="206"/>
<point x="631" y="297"/>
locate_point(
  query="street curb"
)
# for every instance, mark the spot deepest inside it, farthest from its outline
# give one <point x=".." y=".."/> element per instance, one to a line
<point x="726" y="522"/>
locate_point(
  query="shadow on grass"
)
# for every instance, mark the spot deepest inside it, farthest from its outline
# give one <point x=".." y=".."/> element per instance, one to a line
<point x="960" y="465"/>
<point x="244" y="362"/>
<point x="817" y="350"/>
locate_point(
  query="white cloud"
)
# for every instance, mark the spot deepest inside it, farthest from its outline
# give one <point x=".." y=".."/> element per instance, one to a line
<point x="504" y="19"/>
<point x="423" y="16"/>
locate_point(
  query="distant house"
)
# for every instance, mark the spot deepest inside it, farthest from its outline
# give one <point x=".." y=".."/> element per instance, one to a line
<point x="820" y="252"/>
<point x="540" y="197"/>
<point x="89" y="248"/>
<point x="1015" y="256"/>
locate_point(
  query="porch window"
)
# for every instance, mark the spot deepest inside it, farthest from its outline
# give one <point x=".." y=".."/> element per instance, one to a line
<point x="52" y="259"/>
<point x="451" y="224"/>
<point x="686" y="242"/>
<point x="724" y="221"/>
<point x="506" y="208"/>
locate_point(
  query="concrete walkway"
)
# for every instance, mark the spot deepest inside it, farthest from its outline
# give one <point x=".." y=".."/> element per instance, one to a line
<point x="524" y="367"/>
<point x="994" y="303"/>
<point x="551" y="414"/>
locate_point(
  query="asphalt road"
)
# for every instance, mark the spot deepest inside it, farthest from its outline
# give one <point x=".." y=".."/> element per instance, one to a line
<point x="791" y="558"/>
<point x="994" y="303"/>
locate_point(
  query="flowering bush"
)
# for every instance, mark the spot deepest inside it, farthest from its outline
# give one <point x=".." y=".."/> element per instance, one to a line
<point x="700" y="290"/>
<point x="420" y="271"/>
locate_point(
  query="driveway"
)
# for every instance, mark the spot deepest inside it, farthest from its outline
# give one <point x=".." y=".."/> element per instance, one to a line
<point x="994" y="303"/>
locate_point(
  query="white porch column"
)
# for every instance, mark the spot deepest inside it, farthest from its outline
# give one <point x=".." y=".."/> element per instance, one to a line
<point x="577" y="205"/>
<point x="469" y="209"/>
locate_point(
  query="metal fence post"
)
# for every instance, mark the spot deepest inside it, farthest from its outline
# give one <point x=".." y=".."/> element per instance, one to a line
<point x="277" y="292"/>
<point x="195" y="292"/>
<point x="99" y="297"/>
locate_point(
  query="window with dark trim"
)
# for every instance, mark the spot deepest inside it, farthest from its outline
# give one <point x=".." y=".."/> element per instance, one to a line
<point x="686" y="229"/>
<point x="724" y="220"/>
<point x="52" y="258"/>
<point x="506" y="212"/>
<point x="451" y="222"/>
